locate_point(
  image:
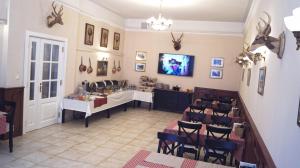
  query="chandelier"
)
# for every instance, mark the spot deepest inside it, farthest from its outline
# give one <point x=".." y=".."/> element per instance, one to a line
<point x="160" y="23"/>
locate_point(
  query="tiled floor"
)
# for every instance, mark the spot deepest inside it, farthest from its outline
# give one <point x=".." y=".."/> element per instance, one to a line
<point x="107" y="143"/>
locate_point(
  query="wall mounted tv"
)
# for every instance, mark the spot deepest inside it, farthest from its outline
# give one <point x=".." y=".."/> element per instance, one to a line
<point x="176" y="64"/>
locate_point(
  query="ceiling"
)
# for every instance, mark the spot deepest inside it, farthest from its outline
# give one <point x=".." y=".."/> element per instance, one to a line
<point x="200" y="10"/>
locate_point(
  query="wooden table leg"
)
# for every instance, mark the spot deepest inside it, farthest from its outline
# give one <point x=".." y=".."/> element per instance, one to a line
<point x="150" y="105"/>
<point x="125" y="107"/>
<point x="133" y="103"/>
<point x="107" y="113"/>
<point x="87" y="122"/>
<point x="63" y="116"/>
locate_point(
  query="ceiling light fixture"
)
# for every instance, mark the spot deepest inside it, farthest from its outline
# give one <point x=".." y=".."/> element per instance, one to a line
<point x="160" y="23"/>
<point x="293" y="24"/>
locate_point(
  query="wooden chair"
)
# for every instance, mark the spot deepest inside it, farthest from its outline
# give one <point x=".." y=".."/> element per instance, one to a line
<point x="168" y="143"/>
<point x="218" y="133"/>
<point x="219" y="150"/>
<point x="221" y="121"/>
<point x="222" y="109"/>
<point x="196" y="117"/>
<point x="190" y="131"/>
<point x="9" y="108"/>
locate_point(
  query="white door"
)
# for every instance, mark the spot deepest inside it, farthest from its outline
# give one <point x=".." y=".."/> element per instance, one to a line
<point x="44" y="84"/>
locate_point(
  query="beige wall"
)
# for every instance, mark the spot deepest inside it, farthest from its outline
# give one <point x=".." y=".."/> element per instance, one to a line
<point x="30" y="15"/>
<point x="202" y="46"/>
<point x="275" y="113"/>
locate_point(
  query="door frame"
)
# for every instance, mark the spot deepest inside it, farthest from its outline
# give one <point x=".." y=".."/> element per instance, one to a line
<point x="29" y="34"/>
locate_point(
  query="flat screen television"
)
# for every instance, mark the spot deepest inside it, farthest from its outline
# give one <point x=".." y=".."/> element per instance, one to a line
<point x="176" y="64"/>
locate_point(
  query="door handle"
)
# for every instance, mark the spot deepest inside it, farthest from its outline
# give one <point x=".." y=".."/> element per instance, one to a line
<point x="41" y="87"/>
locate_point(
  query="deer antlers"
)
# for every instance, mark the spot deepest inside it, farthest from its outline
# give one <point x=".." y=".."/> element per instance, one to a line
<point x="55" y="17"/>
<point x="177" y="43"/>
<point x="263" y="38"/>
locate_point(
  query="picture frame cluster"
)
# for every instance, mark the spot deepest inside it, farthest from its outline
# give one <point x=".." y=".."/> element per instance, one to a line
<point x="140" y="61"/>
<point x="104" y="37"/>
<point x="217" y="65"/>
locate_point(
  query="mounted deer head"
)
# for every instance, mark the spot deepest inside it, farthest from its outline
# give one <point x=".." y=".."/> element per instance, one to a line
<point x="263" y="37"/>
<point x="177" y="43"/>
<point x="55" y="17"/>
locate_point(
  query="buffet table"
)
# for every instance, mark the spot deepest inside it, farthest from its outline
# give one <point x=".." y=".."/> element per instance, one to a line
<point x="95" y="104"/>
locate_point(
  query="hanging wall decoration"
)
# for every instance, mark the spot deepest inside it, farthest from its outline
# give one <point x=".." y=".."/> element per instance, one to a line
<point x="114" y="69"/>
<point x="89" y="34"/>
<point x="216" y="73"/>
<point x="82" y="67"/>
<point x="248" y="77"/>
<point x="263" y="38"/>
<point x="217" y="62"/>
<point x="119" y="67"/>
<point x="261" y="80"/>
<point x="55" y="17"/>
<point x="116" y="44"/>
<point x="104" y="37"/>
<point x="102" y="68"/>
<point x="90" y="68"/>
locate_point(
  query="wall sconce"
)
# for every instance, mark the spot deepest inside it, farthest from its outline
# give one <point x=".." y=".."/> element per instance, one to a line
<point x="293" y="24"/>
<point x="242" y="60"/>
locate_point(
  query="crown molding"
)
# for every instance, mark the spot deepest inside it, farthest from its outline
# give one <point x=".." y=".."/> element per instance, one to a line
<point x="95" y="11"/>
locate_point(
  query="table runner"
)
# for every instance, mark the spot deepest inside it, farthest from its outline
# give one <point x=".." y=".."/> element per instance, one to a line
<point x="238" y="153"/>
<point x="2" y="124"/>
<point x="141" y="160"/>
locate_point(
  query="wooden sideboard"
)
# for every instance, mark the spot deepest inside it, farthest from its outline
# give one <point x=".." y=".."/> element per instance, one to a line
<point x="170" y="100"/>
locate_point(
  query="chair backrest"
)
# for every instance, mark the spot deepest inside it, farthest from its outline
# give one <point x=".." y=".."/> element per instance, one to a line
<point x="8" y="107"/>
<point x="191" y="131"/>
<point x="221" y="120"/>
<point x="197" y="109"/>
<point x="226" y="99"/>
<point x="222" y="109"/>
<point x="170" y="142"/>
<point x="219" y="149"/>
<point x="218" y="133"/>
<point x="196" y="117"/>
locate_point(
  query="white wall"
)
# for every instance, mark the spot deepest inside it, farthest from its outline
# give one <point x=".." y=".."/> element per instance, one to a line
<point x="275" y="113"/>
<point x="203" y="46"/>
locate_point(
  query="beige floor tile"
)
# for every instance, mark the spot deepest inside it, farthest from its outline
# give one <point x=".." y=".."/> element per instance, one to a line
<point x="36" y="157"/>
<point x="72" y="154"/>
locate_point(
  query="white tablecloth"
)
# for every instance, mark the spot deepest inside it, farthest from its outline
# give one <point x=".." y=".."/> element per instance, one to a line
<point x="113" y="100"/>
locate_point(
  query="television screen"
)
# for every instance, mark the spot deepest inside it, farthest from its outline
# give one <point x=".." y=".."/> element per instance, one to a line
<point x="176" y="64"/>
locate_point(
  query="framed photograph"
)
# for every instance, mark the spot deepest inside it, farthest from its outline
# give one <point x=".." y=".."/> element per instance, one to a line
<point x="89" y="34"/>
<point x="140" y="67"/>
<point x="217" y="62"/>
<point x="248" y="77"/>
<point x="102" y="68"/>
<point x="298" y="118"/>
<point x="243" y="75"/>
<point x="140" y="56"/>
<point x="116" y="45"/>
<point x="104" y="37"/>
<point x="216" y="73"/>
<point x="261" y="80"/>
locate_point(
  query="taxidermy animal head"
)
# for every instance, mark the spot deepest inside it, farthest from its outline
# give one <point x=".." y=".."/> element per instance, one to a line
<point x="55" y="17"/>
<point x="254" y="57"/>
<point x="263" y="37"/>
<point x="177" y="43"/>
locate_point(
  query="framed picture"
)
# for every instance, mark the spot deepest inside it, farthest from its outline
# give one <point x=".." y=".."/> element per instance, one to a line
<point x="104" y="37"/>
<point x="217" y="62"/>
<point x="216" y="73"/>
<point x="140" y="67"/>
<point x="140" y="56"/>
<point x="89" y="34"/>
<point x="116" y="45"/>
<point x="248" y="77"/>
<point x="102" y="68"/>
<point x="261" y="80"/>
<point x="298" y="118"/>
<point x="243" y="75"/>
